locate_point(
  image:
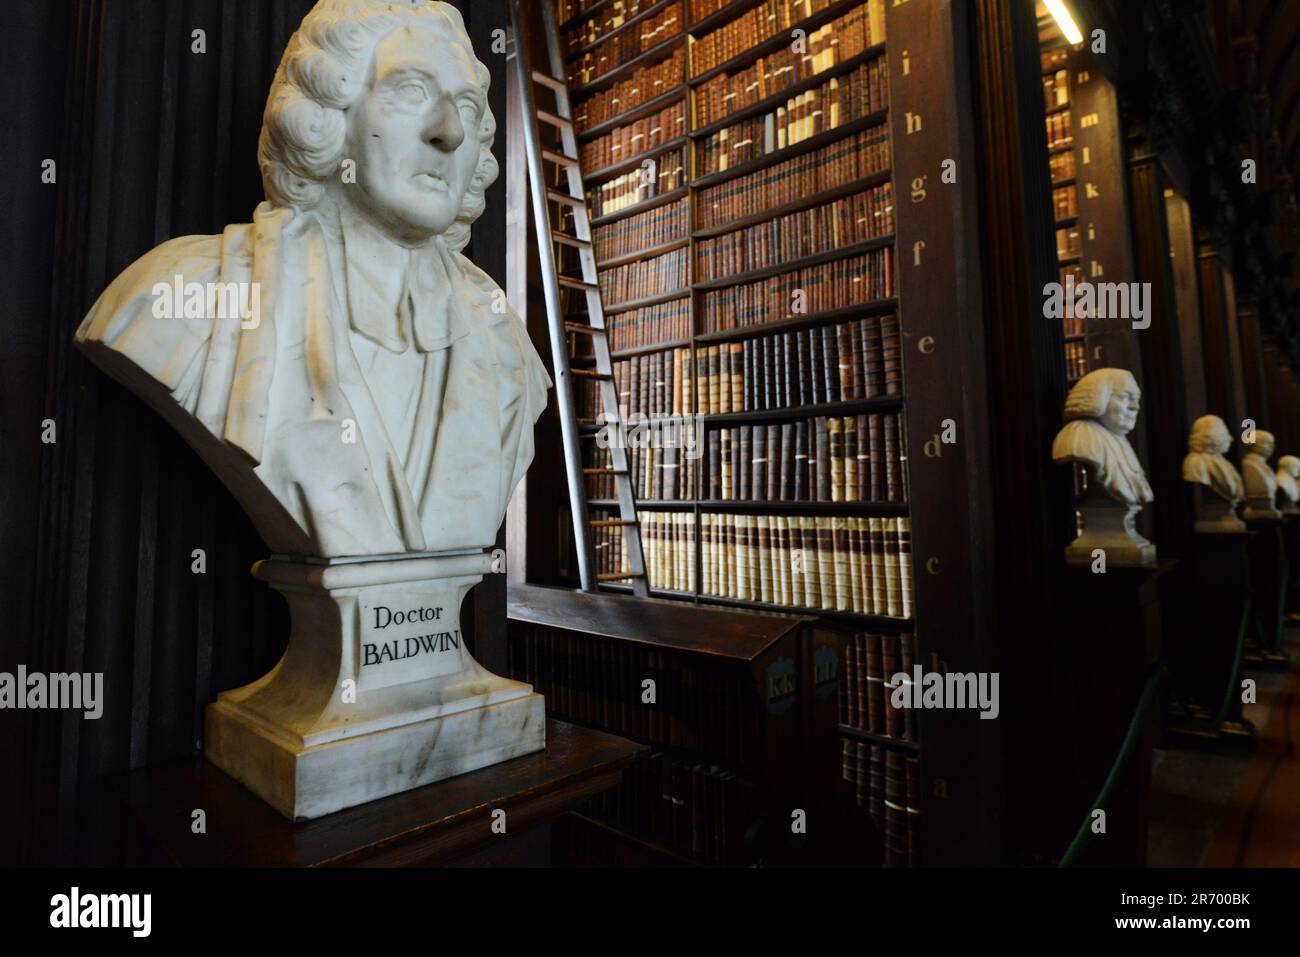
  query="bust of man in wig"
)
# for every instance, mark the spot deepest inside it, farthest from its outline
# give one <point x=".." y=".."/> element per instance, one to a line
<point x="1261" y="481"/>
<point x="1288" y="492"/>
<point x="372" y="394"/>
<point x="1100" y="411"/>
<point x="1218" y="483"/>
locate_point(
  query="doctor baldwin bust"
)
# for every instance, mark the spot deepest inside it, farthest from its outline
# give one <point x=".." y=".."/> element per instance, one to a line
<point x="1100" y="411"/>
<point x="364" y="392"/>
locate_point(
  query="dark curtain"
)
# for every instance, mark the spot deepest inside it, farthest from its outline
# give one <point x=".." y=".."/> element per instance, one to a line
<point x="98" y="529"/>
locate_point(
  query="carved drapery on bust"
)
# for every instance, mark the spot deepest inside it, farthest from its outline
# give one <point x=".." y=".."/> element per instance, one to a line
<point x="373" y="394"/>
<point x="1100" y="411"/>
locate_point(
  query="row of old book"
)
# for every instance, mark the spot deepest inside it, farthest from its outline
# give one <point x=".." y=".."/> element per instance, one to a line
<point x="697" y="810"/>
<point x="591" y="29"/>
<point x="1065" y="201"/>
<point x="871" y="663"/>
<point x="634" y="138"/>
<point x="1067" y="242"/>
<point x="600" y="682"/>
<point x="857" y="565"/>
<point x="645" y="278"/>
<point x="852" y="158"/>
<point x="772" y="75"/>
<point x="628" y="189"/>
<point x="1056" y="89"/>
<point x="626" y="45"/>
<point x="1061" y="166"/>
<point x="1076" y="360"/>
<point x="664" y="472"/>
<point x="1060" y="130"/>
<point x="842" y="362"/>
<point x="641" y="87"/>
<point x="782" y="16"/>
<point x="888" y="785"/>
<point x="808" y="232"/>
<point x="661" y="322"/>
<point x="826" y="459"/>
<point x="808" y="114"/>
<point x="654" y="227"/>
<point x="846" y="282"/>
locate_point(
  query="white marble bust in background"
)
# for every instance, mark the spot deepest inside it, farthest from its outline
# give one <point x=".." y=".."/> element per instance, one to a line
<point x="381" y="398"/>
<point x="1288" y="492"/>
<point x="1260" y="481"/>
<point x="1100" y="411"/>
<point x="1219" y="484"/>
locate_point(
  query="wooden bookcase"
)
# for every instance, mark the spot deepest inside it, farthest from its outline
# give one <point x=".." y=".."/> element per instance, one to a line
<point x="932" y="290"/>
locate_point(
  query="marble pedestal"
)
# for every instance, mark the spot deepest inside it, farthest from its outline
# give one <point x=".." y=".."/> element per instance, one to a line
<point x="1110" y="526"/>
<point x="376" y="692"/>
<point x="1216" y="515"/>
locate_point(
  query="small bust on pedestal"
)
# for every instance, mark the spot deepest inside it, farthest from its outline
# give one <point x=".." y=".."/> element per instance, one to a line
<point x="1100" y="411"/>
<point x="1218" y="483"/>
<point x="1288" y="492"/>
<point x="1261" y="483"/>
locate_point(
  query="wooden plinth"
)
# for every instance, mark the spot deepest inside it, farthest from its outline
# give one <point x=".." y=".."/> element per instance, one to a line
<point x="447" y="823"/>
<point x="1112" y="641"/>
<point x="1268" y="573"/>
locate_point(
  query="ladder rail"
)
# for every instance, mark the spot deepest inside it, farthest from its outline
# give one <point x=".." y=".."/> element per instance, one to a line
<point x="541" y="192"/>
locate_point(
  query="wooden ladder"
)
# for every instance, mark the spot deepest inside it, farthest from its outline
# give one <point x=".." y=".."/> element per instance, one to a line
<point x="545" y="163"/>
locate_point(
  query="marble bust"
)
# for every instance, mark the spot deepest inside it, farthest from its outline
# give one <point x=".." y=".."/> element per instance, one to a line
<point x="1288" y="492"/>
<point x="1100" y="411"/>
<point x="1260" y="480"/>
<point x="1218" y="484"/>
<point x="368" y="397"/>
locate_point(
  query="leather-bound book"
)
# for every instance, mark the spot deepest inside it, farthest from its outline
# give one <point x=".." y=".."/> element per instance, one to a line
<point x="800" y="488"/>
<point x="855" y="354"/>
<point x="879" y="591"/>
<point x="773" y="463"/>
<point x="876" y="450"/>
<point x="904" y="526"/>
<point x="739" y="460"/>
<point x="788" y="465"/>
<point x="849" y="429"/>
<point x="825" y="562"/>
<point x="835" y="445"/>
<point x="893" y="583"/>
<point x="822" y="459"/>
<point x="892" y="662"/>
<point x="816" y="367"/>
<point x="893" y="470"/>
<point x="856" y="578"/>
<point x="844" y="353"/>
<point x="790" y="363"/>
<point x="893" y="355"/>
<point x="747" y="372"/>
<point x="875" y="685"/>
<point x="715" y="465"/>
<point x="830" y="364"/>
<point x="759" y="463"/>
<point x="873" y="358"/>
<point x="724" y="456"/>
<point x="764" y="559"/>
<point x="737" y="376"/>
<point x="745" y="484"/>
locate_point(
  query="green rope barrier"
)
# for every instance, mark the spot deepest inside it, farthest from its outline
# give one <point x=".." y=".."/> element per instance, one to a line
<point x="1084" y="832"/>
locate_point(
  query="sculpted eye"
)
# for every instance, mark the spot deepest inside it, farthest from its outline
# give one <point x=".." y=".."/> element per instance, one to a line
<point x="413" y="92"/>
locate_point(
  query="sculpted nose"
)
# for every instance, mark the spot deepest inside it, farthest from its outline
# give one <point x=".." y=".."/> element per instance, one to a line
<point x="445" y="130"/>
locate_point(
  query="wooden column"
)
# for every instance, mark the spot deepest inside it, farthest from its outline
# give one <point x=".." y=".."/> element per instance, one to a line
<point x="1221" y="371"/>
<point x="1163" y="402"/>
<point x="1182" y="258"/>
<point x="1259" y="399"/>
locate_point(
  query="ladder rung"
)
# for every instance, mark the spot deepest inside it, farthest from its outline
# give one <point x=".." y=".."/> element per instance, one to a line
<point x="604" y="471"/>
<point x="592" y="374"/>
<point x="557" y="197"/>
<point x="578" y="284"/>
<point x="618" y="576"/>
<point x="582" y="327"/>
<point x="544" y="80"/>
<point x="568" y="240"/>
<point x="556" y="121"/>
<point x="559" y="159"/>
<point x="611" y="522"/>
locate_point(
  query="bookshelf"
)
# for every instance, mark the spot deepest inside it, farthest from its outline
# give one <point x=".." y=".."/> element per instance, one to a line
<point x="769" y="175"/>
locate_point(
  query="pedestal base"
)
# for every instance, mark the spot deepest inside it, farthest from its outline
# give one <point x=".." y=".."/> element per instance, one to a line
<point x="1109" y="527"/>
<point x="376" y="692"/>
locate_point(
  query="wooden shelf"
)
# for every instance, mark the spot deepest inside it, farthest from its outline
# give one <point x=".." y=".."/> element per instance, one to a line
<point x="817" y="259"/>
<point x="630" y="22"/>
<point x="609" y="77"/>
<point x="634" y="113"/>
<point x="591" y="11"/>
<point x="794" y="206"/>
<point x="748" y="505"/>
<point x="769" y="103"/>
<point x="650" y="253"/>
<point x="1052" y="111"/>
<point x="722" y="17"/>
<point x="897" y="744"/>
<point x="876" y="307"/>
<point x="616" y="308"/>
<point x="790" y="152"/>
<point x="653" y="202"/>
<point x="776" y="42"/>
<point x="632" y="162"/>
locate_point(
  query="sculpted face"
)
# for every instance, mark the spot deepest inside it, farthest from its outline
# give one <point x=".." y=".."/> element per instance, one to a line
<point x="414" y="135"/>
<point x="1121" y="412"/>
